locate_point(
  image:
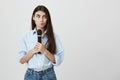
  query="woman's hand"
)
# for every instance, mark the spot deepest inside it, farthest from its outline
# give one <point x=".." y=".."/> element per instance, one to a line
<point x="39" y="47"/>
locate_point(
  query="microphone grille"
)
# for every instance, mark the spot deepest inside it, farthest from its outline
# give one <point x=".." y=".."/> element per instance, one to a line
<point x="39" y="32"/>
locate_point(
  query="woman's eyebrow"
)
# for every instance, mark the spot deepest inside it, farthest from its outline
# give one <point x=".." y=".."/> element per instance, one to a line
<point x="40" y="15"/>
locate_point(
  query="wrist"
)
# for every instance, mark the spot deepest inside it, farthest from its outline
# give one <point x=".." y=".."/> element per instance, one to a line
<point x="32" y="51"/>
<point x="45" y="52"/>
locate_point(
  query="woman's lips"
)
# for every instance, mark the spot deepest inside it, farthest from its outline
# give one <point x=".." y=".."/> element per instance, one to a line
<point x="42" y="23"/>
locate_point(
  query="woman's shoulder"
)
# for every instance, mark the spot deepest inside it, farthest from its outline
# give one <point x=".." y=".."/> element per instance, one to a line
<point x="27" y="33"/>
<point x="57" y="36"/>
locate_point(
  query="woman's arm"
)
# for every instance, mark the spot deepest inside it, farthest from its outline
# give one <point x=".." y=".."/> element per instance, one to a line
<point x="28" y="56"/>
<point x="49" y="55"/>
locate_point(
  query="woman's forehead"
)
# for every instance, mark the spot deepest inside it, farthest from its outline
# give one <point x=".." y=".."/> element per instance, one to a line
<point x="40" y="12"/>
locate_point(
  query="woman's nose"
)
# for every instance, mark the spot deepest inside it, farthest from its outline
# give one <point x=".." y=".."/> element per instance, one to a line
<point x="41" y="19"/>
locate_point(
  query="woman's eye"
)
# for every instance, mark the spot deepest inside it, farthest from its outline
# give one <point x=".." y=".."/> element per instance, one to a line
<point x="38" y="16"/>
<point x="44" y="17"/>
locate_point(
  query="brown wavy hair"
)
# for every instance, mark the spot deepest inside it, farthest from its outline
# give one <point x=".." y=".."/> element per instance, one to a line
<point x="51" y="45"/>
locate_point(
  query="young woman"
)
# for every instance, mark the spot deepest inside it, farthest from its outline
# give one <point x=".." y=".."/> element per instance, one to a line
<point x="40" y="66"/>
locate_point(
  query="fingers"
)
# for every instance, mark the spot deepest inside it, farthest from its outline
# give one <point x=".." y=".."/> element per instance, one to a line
<point x="38" y="46"/>
<point x="43" y="43"/>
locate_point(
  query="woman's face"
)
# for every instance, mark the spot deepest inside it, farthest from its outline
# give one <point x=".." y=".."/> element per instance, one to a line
<point x="40" y="19"/>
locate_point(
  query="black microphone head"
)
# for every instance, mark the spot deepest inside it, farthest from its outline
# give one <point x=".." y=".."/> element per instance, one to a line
<point x="39" y="32"/>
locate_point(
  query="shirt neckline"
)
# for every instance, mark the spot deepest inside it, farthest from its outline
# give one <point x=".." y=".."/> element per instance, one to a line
<point x="35" y="31"/>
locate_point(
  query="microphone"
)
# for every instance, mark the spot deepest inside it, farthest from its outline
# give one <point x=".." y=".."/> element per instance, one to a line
<point x="39" y="33"/>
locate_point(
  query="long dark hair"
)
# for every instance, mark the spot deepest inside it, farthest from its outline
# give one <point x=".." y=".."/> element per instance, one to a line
<point x="51" y="45"/>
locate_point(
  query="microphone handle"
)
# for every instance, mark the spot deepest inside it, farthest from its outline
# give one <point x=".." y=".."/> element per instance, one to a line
<point x="39" y="52"/>
<point x="39" y="40"/>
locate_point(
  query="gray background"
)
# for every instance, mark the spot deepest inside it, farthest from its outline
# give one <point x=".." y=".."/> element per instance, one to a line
<point x="89" y="31"/>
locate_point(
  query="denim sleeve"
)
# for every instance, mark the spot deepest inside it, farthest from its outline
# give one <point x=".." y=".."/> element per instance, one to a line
<point x="21" y="48"/>
<point x="59" y="52"/>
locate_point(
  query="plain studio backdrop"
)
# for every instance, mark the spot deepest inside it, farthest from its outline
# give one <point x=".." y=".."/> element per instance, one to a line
<point x="89" y="31"/>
